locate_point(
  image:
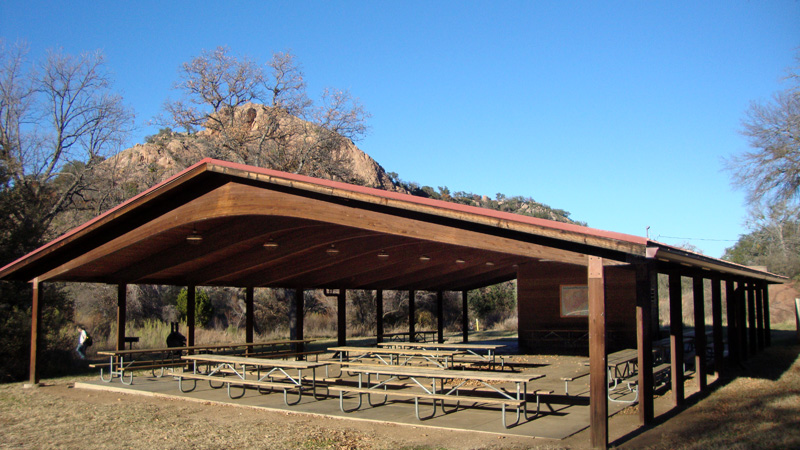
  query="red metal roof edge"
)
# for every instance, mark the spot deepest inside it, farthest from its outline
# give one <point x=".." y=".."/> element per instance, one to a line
<point x="544" y="223"/>
<point x="88" y="224"/>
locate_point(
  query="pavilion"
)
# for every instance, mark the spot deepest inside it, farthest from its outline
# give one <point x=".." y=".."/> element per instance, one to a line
<point x="224" y="224"/>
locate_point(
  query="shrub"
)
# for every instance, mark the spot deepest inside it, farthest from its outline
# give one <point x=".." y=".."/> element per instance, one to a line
<point x="203" y="310"/>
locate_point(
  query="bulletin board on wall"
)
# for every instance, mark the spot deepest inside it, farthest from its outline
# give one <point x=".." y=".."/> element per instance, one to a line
<point x="574" y="300"/>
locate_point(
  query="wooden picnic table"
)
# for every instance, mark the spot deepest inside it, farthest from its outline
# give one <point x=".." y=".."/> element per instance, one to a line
<point x="484" y="352"/>
<point x="396" y="356"/>
<point x="251" y="371"/>
<point x="121" y="361"/>
<point x="455" y="378"/>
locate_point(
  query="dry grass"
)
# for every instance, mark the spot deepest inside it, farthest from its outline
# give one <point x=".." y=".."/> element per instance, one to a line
<point x="754" y="409"/>
<point x="758" y="407"/>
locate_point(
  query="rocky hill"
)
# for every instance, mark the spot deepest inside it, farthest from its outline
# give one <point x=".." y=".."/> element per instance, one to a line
<point x="168" y="152"/>
<point x="264" y="137"/>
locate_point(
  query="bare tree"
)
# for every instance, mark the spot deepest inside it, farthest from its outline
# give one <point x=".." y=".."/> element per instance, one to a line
<point x="771" y="171"/>
<point x="261" y="115"/>
<point x="58" y="120"/>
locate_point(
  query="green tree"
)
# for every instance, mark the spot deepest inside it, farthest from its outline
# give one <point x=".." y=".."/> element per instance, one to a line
<point x="493" y="304"/>
<point x="203" y="310"/>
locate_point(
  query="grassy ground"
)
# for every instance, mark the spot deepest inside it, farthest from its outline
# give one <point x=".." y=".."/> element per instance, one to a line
<point x="756" y="408"/>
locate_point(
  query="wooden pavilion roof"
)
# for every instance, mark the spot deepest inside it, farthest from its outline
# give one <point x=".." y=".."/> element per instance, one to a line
<point x="264" y="228"/>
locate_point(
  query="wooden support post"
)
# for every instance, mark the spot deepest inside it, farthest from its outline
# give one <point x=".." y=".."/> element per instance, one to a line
<point x="676" y="337"/>
<point x="379" y="315"/>
<point x="645" y="282"/>
<point x="440" y="317"/>
<point x="767" y="323"/>
<point x="733" y="333"/>
<point x="699" y="332"/>
<point x="716" y="324"/>
<point x="741" y="317"/>
<point x="758" y="293"/>
<point x="122" y="307"/>
<point x="297" y="325"/>
<point x="464" y="316"/>
<point x="752" y="331"/>
<point x="341" y="313"/>
<point x="598" y="378"/>
<point x="36" y="326"/>
<point x="412" y="315"/>
<point x="191" y="298"/>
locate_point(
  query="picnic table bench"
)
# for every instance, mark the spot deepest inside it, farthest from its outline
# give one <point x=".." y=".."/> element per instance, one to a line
<point x="481" y="352"/>
<point x="457" y="378"/>
<point x="234" y="370"/>
<point x="122" y="361"/>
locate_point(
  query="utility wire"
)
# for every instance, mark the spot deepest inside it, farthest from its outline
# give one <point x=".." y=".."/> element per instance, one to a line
<point x="697" y="239"/>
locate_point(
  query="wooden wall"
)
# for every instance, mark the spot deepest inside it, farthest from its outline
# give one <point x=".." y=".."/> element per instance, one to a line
<point x="539" y="304"/>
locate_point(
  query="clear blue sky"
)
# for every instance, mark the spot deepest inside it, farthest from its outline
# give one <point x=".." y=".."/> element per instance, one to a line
<point x="619" y="112"/>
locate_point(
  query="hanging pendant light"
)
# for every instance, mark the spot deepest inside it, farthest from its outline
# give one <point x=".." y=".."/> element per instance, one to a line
<point x="194" y="238"/>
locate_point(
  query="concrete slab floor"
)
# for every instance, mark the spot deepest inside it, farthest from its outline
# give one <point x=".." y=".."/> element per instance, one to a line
<point x="561" y="416"/>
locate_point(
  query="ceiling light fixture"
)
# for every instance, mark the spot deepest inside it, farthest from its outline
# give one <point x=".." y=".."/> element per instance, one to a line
<point x="194" y="238"/>
<point x="489" y="263"/>
<point x="383" y="255"/>
<point x="460" y="261"/>
<point x="270" y="244"/>
<point x="332" y="250"/>
<point x="424" y="258"/>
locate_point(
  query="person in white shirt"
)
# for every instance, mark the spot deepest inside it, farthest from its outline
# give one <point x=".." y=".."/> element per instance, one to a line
<point x="81" y="348"/>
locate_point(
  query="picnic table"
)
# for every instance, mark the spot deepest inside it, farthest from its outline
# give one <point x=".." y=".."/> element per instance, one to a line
<point x="621" y="365"/>
<point x="251" y="371"/>
<point x="400" y="336"/>
<point x="420" y="388"/>
<point x="122" y="361"/>
<point x="483" y="352"/>
<point x="396" y="356"/>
